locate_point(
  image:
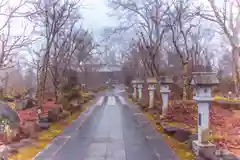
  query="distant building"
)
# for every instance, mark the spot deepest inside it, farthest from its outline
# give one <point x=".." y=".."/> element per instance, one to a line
<point x="94" y="74"/>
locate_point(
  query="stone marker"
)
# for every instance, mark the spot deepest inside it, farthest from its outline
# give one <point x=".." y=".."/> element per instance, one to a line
<point x="203" y="82"/>
<point x="164" y="89"/>
<point x="134" y="84"/>
<point x="152" y="81"/>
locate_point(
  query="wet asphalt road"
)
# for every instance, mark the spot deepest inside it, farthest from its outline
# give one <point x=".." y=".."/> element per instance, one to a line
<point x="108" y="130"/>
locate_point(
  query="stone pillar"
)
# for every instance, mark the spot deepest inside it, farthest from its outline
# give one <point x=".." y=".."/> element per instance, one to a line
<point x="140" y="87"/>
<point x="151" y="90"/>
<point x="203" y="119"/>
<point x="204" y="99"/>
<point x="164" y="92"/>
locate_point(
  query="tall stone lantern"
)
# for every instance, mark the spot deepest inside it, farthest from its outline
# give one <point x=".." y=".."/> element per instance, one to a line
<point x="164" y="82"/>
<point x="134" y="84"/>
<point x="203" y="82"/>
<point x="152" y="81"/>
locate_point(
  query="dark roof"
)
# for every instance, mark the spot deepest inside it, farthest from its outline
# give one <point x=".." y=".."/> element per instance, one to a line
<point x="165" y="80"/>
<point x="134" y="81"/>
<point x="138" y="80"/>
<point x="204" y="78"/>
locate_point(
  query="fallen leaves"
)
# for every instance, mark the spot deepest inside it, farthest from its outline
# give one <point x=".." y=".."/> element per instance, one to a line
<point x="224" y="122"/>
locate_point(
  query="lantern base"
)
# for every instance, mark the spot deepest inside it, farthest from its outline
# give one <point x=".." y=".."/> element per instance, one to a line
<point x="197" y="146"/>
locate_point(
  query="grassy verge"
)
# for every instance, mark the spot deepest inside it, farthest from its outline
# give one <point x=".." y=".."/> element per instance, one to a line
<point x="217" y="98"/>
<point x="45" y="137"/>
<point x="179" y="148"/>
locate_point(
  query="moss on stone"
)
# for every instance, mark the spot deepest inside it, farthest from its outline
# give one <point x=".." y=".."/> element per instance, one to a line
<point x="217" y="98"/>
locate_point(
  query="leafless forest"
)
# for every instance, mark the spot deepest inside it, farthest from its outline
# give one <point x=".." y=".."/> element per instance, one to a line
<point x="46" y="52"/>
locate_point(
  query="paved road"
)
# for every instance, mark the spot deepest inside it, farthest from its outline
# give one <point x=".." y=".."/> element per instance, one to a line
<point x="109" y="130"/>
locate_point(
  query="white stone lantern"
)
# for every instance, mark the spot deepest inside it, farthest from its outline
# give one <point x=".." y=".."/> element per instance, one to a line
<point x="139" y="88"/>
<point x="152" y="81"/>
<point x="134" y="84"/>
<point x="203" y="82"/>
<point x="164" y="82"/>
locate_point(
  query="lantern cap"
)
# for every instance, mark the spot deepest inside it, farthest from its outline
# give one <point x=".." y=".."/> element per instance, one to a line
<point x="165" y="80"/>
<point x="204" y="79"/>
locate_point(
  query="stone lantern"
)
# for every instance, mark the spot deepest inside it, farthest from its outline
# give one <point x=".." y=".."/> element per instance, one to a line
<point x="139" y="88"/>
<point x="83" y="87"/>
<point x="164" y="82"/>
<point x="134" y="84"/>
<point x="152" y="81"/>
<point x="203" y="82"/>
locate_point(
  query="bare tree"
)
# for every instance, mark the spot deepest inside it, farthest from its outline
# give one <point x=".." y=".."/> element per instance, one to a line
<point x="30" y="79"/>
<point x="84" y="54"/>
<point x="71" y="49"/>
<point x="11" y="47"/>
<point x="63" y="48"/>
<point x="227" y="16"/>
<point x="182" y="25"/>
<point x="147" y="21"/>
<point x="11" y="44"/>
<point x="51" y="16"/>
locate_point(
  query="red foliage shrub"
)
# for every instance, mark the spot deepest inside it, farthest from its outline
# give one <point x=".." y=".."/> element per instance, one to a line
<point x="31" y="115"/>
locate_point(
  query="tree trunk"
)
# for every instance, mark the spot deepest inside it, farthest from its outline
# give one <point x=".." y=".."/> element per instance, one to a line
<point x="43" y="78"/>
<point x="185" y="80"/>
<point x="56" y="94"/>
<point x="236" y="69"/>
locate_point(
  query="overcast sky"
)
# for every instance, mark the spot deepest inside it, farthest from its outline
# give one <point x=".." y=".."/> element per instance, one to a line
<point x="94" y="13"/>
<point x="95" y="16"/>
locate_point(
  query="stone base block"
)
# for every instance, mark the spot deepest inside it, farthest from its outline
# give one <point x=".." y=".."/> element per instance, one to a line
<point x="197" y="146"/>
